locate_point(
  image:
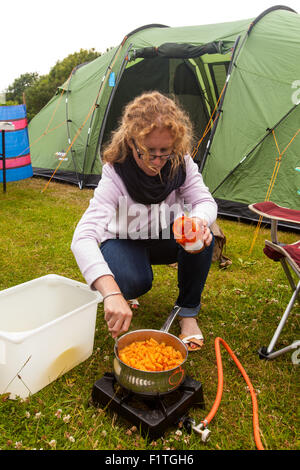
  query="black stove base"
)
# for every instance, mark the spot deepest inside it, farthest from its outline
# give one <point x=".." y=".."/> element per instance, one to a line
<point x="151" y="415"/>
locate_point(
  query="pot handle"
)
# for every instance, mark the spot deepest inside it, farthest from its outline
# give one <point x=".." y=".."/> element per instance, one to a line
<point x="171" y="317"/>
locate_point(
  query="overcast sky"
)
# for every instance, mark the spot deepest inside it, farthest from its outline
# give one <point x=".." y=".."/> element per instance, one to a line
<point x="35" y="34"/>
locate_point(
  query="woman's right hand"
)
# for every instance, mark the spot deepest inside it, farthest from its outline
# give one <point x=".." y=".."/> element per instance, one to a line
<point x="117" y="314"/>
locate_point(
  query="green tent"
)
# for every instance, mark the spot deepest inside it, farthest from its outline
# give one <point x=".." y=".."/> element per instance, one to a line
<point x="239" y="82"/>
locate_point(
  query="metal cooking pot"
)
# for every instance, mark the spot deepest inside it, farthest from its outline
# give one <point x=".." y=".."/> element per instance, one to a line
<point x="150" y="382"/>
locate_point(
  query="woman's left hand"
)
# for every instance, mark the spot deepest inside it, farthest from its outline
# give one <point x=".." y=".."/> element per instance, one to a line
<point x="206" y="233"/>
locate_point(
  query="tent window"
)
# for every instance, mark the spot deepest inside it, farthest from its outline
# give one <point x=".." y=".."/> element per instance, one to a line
<point x="185" y="82"/>
<point x="218" y="73"/>
<point x="185" y="85"/>
<point x="147" y="75"/>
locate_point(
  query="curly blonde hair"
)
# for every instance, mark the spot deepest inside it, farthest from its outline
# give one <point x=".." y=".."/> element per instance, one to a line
<point x="149" y="111"/>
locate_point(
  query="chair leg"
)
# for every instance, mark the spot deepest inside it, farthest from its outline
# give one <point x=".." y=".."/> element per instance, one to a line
<point x="267" y="353"/>
<point x="264" y="355"/>
<point x="288" y="274"/>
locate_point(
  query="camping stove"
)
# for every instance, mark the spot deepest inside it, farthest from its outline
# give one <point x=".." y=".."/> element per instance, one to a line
<point x="151" y="414"/>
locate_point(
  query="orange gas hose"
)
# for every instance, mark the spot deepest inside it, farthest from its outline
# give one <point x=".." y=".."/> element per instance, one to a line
<point x="220" y="390"/>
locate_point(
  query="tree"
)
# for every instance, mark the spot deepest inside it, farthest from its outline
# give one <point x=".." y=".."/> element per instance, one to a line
<point x="39" y="89"/>
<point x="62" y="69"/>
<point x="38" y="95"/>
<point x="15" y="91"/>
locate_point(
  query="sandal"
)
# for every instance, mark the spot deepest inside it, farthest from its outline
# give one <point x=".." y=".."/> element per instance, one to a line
<point x="197" y="340"/>
<point x="133" y="303"/>
<point x="194" y="342"/>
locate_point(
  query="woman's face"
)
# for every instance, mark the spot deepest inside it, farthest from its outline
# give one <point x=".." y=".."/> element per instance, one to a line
<point x="158" y="142"/>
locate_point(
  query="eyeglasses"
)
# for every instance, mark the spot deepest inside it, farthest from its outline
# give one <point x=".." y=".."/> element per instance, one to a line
<point x="153" y="157"/>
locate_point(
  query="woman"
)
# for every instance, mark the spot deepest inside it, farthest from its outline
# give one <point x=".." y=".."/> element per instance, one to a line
<point x="148" y="180"/>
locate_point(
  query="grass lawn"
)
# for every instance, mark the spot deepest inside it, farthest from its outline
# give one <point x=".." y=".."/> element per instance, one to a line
<point x="241" y="304"/>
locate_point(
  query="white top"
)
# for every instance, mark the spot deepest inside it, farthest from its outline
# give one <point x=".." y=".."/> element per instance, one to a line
<point x="113" y="214"/>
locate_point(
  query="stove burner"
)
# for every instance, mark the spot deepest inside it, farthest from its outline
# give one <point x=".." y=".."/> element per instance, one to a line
<point x="152" y="414"/>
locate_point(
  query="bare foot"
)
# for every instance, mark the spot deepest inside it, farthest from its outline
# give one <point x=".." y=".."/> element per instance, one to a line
<point x="189" y="327"/>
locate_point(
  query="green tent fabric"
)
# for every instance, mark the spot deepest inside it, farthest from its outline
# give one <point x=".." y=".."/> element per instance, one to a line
<point x="248" y="70"/>
<point x="259" y="112"/>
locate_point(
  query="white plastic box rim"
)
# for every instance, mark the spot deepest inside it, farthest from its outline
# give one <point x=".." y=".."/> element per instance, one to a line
<point x="18" y="337"/>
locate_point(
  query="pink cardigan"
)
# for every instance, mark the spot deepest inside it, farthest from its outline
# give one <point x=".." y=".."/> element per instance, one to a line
<point x="113" y="214"/>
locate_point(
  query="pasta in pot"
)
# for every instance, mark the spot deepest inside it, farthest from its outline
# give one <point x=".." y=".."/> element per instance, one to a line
<point x="149" y="355"/>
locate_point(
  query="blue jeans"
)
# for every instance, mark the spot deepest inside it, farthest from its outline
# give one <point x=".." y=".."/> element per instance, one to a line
<point x="131" y="261"/>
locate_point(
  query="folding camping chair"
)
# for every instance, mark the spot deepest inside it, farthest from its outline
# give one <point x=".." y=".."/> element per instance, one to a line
<point x="289" y="257"/>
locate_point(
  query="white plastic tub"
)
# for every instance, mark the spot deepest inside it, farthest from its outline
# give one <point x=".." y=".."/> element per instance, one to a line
<point x="47" y="327"/>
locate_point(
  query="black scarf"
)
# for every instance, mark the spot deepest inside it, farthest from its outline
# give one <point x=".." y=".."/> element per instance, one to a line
<point x="146" y="189"/>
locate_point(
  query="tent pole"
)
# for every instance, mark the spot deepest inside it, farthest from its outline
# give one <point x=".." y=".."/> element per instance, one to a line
<point x="120" y="73"/>
<point x="68" y="127"/>
<point x="103" y="81"/>
<point x="202" y="163"/>
<point x="266" y="12"/>
<point x="3" y="160"/>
